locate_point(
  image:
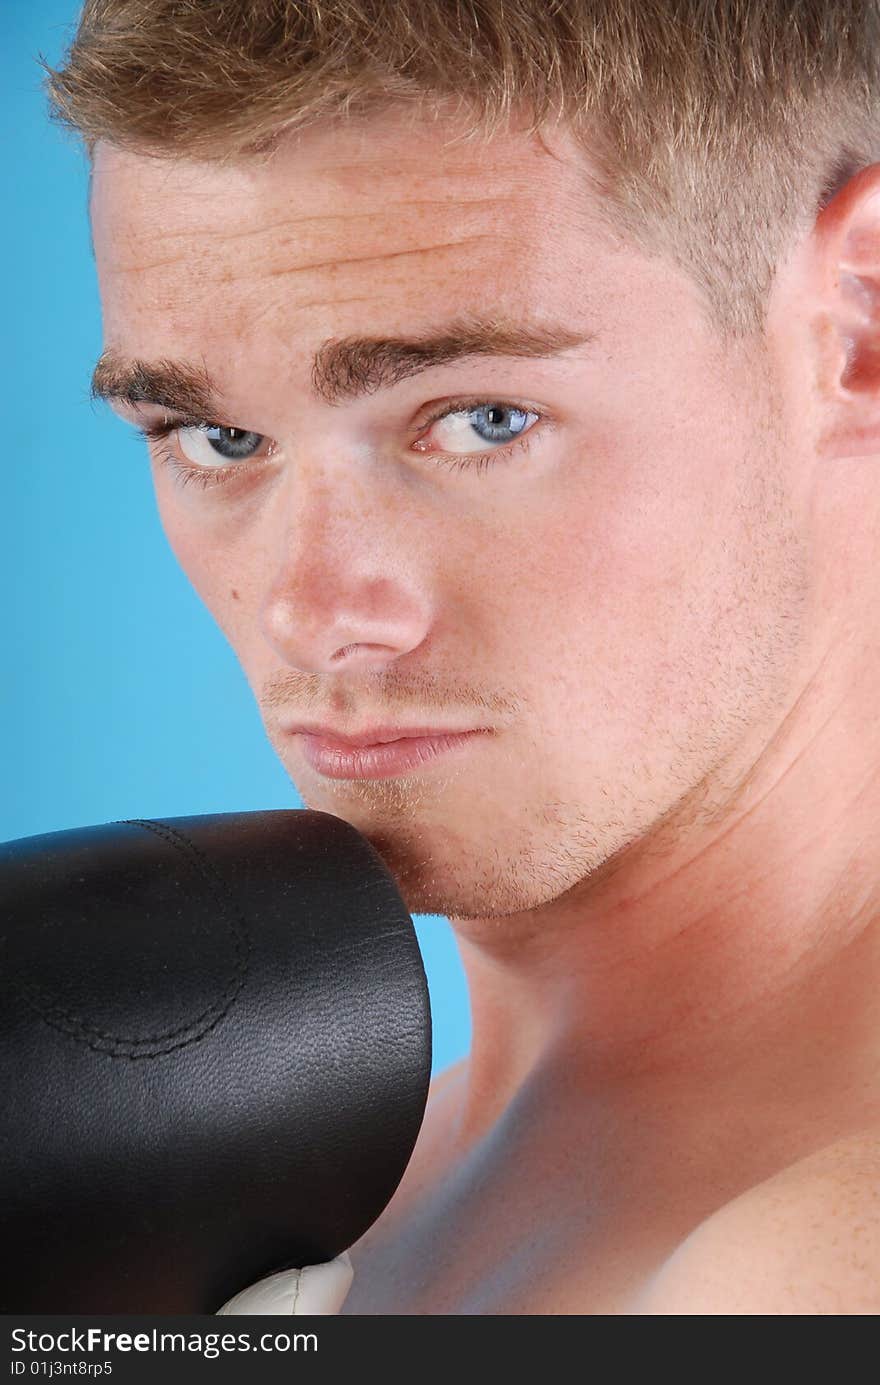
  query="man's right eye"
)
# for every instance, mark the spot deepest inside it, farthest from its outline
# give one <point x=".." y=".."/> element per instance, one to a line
<point x="203" y="443"/>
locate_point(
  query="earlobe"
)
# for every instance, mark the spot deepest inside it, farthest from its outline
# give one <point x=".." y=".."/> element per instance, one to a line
<point x="848" y="324"/>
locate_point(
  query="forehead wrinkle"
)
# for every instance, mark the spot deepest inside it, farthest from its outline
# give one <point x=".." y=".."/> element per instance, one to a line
<point x="366" y="259"/>
<point x="256" y="317"/>
<point x="210" y="233"/>
<point x="138" y="266"/>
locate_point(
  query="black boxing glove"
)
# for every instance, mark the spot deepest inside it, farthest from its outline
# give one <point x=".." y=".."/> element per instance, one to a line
<point x="215" y="1040"/>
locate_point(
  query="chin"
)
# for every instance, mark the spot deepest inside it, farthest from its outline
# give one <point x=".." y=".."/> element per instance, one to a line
<point x="457" y="885"/>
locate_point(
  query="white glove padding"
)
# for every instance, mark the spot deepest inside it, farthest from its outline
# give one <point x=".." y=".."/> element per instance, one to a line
<point x="314" y="1289"/>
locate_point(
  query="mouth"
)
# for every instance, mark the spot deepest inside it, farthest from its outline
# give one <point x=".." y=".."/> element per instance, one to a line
<point x="335" y="758"/>
<point x="376" y="735"/>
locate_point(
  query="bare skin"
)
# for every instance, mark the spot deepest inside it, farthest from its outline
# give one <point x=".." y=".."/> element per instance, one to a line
<point x="662" y="865"/>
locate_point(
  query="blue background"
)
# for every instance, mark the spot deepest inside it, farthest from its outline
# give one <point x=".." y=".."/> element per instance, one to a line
<point x="121" y="697"/>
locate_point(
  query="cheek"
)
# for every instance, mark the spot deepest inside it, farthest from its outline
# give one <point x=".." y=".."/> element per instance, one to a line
<point x="181" y="532"/>
<point x="647" y="596"/>
<point x="610" y="553"/>
<point x="203" y="554"/>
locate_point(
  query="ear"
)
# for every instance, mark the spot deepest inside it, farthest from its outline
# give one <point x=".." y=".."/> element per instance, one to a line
<point x="846" y="242"/>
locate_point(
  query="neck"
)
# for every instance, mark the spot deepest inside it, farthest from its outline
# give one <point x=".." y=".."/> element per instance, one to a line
<point x="716" y="955"/>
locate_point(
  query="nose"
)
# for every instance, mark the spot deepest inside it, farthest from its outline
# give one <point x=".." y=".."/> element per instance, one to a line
<point x="344" y="591"/>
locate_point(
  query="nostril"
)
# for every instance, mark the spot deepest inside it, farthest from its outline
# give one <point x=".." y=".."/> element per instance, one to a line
<point x="353" y="648"/>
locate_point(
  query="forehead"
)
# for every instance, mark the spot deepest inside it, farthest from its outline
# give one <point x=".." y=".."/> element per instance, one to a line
<point x="376" y="216"/>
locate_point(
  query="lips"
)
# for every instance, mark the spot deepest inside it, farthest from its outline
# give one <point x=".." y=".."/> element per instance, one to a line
<point x="377" y="735"/>
<point x="381" y="760"/>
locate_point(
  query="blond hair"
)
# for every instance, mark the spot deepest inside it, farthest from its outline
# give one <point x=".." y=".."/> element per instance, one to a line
<point x="716" y="130"/>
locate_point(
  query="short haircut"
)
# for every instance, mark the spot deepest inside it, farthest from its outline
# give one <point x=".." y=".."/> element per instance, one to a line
<point x="714" y="131"/>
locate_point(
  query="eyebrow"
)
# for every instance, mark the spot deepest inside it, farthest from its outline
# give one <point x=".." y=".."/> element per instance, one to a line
<point x="342" y="369"/>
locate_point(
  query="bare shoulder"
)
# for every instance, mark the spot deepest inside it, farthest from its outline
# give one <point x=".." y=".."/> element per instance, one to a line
<point x="804" y="1242"/>
<point x="426" y="1160"/>
<point x="447" y="1078"/>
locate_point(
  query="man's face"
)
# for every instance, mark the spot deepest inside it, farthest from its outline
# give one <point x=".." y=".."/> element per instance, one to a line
<point x="621" y="599"/>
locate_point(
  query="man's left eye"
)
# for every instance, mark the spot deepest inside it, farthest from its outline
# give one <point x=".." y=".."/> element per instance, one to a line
<point x="464" y="430"/>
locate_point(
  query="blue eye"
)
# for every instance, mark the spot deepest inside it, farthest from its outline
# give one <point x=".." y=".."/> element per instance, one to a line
<point x="466" y="427"/>
<point x="494" y="415"/>
<point x="229" y="444"/>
